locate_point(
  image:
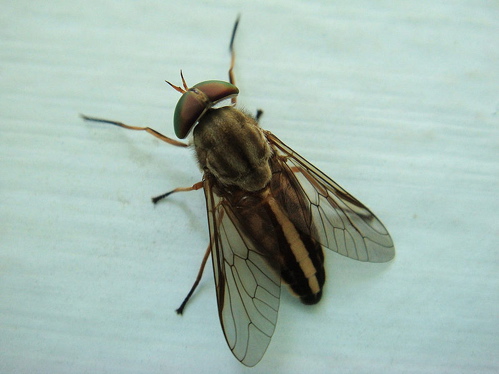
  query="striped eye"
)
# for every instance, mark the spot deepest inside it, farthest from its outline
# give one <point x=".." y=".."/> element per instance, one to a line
<point x="196" y="101"/>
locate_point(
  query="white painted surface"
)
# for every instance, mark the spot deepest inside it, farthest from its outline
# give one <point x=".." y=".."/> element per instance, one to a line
<point x="396" y="101"/>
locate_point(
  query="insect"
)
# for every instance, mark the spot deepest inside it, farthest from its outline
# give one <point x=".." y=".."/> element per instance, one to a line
<point x="270" y="213"/>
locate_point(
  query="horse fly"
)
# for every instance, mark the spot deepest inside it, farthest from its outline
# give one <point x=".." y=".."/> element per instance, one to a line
<point x="270" y="213"/>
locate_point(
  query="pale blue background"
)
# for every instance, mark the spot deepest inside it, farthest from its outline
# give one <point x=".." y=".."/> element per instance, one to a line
<point x="397" y="101"/>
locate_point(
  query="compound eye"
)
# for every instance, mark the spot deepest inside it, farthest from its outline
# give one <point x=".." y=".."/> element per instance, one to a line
<point x="196" y="101"/>
<point x="217" y="90"/>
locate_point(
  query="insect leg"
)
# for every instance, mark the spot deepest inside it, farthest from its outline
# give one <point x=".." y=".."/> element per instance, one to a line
<point x="258" y="115"/>
<point x="194" y="187"/>
<point x="147" y="129"/>
<point x="180" y="309"/>
<point x="232" y="79"/>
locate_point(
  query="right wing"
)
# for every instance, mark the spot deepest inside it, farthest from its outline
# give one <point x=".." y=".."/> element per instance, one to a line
<point x="323" y="209"/>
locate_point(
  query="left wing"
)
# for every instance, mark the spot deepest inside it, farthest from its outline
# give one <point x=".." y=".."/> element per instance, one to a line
<point x="248" y="288"/>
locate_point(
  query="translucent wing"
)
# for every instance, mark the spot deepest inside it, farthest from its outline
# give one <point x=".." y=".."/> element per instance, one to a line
<point x="248" y="288"/>
<point x="333" y="217"/>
